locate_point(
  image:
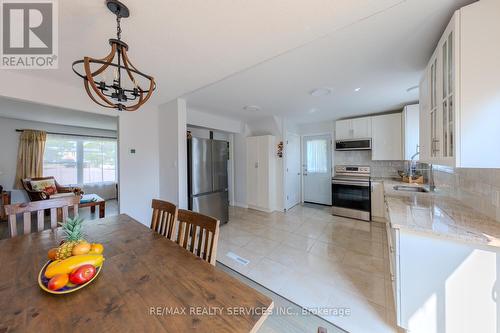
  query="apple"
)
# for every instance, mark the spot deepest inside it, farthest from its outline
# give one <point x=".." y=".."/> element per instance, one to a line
<point x="82" y="274"/>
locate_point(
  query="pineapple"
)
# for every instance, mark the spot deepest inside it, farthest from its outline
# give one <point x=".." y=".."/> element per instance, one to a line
<point x="73" y="235"/>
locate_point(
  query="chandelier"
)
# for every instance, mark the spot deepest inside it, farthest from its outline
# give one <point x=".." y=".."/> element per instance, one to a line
<point x="128" y="87"/>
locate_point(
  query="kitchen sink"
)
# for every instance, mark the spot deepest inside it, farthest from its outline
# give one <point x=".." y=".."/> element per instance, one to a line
<point x="410" y="189"/>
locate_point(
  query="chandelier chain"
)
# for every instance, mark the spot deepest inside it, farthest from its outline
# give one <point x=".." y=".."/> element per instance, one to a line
<point x="118" y="27"/>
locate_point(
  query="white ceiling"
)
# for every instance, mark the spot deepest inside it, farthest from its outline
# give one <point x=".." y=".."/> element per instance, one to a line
<point x="384" y="55"/>
<point x="288" y="47"/>
<point x="185" y="44"/>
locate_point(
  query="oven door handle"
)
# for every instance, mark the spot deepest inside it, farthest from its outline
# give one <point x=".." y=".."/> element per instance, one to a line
<point x="344" y="182"/>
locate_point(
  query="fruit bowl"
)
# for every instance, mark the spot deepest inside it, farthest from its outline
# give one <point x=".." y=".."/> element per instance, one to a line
<point x="69" y="288"/>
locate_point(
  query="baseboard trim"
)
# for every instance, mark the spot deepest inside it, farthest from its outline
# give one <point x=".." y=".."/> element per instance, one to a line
<point x="239" y="204"/>
<point x="260" y="209"/>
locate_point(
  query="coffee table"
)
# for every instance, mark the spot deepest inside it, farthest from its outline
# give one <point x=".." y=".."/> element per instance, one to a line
<point x="93" y="200"/>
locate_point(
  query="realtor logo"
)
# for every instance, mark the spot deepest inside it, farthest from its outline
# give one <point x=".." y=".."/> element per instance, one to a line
<point x="29" y="34"/>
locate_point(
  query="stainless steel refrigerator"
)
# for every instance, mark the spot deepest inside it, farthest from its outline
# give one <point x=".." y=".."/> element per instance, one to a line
<point x="207" y="177"/>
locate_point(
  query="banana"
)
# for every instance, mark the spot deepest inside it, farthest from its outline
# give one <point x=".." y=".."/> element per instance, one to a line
<point x="66" y="266"/>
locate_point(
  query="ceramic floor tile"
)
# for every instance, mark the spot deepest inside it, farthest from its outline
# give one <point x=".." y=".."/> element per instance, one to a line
<point x="252" y="258"/>
<point x="261" y="246"/>
<point x="299" y="242"/>
<point x="366" y="263"/>
<point x="372" y="287"/>
<point x="273" y="234"/>
<point x="270" y="273"/>
<point x="316" y="260"/>
<point x="314" y="228"/>
<point x="328" y="251"/>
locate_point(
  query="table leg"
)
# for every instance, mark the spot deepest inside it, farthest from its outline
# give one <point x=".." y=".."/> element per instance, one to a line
<point x="102" y="209"/>
<point x="92" y="209"/>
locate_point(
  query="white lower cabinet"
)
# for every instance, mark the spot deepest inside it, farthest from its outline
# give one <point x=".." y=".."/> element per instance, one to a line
<point x="377" y="201"/>
<point x="442" y="285"/>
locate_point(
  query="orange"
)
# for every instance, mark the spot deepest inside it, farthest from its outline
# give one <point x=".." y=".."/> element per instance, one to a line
<point x="96" y="248"/>
<point x="52" y="254"/>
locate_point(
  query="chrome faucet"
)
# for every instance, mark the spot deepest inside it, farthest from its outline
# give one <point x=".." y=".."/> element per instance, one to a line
<point x="432" y="185"/>
<point x="412" y="161"/>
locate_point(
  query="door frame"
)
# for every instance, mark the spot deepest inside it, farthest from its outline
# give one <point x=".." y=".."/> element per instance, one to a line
<point x="302" y="158"/>
<point x="285" y="178"/>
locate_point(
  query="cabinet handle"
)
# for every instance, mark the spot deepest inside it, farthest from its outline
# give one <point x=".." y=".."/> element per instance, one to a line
<point x="391" y="248"/>
<point x="392" y="277"/>
<point x="434" y="145"/>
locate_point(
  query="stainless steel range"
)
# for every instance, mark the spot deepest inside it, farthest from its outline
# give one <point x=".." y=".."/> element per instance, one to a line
<point x="351" y="192"/>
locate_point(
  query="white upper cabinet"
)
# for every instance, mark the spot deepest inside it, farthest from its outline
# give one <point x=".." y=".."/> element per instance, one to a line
<point x="357" y="128"/>
<point x="411" y="120"/>
<point x="387" y="137"/>
<point x="460" y="91"/>
<point x="362" y="127"/>
<point x="343" y="129"/>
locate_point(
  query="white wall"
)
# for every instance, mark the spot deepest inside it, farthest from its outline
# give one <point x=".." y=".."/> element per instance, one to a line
<point x="240" y="169"/>
<point x="173" y="152"/>
<point x="9" y="143"/>
<point x="139" y="172"/>
<point x="201" y="118"/>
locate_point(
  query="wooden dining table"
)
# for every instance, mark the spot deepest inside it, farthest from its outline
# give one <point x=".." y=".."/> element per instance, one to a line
<point x="147" y="284"/>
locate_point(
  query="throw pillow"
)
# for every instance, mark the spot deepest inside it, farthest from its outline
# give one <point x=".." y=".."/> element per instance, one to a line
<point x="45" y="185"/>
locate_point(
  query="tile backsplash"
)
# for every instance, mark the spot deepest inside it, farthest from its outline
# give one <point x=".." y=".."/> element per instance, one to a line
<point x="476" y="188"/>
<point x="386" y="169"/>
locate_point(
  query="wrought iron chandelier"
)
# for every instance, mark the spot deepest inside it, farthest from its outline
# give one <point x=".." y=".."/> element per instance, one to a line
<point x="129" y="88"/>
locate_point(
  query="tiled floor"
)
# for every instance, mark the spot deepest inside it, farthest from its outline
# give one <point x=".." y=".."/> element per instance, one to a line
<point x="286" y="317"/>
<point x="319" y="261"/>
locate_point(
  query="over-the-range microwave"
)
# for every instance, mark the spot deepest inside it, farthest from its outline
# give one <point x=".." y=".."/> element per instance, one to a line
<point x="353" y="144"/>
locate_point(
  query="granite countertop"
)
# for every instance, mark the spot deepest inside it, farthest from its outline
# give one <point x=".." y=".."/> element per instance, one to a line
<point x="440" y="215"/>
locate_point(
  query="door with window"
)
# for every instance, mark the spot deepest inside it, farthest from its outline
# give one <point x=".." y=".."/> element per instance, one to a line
<point x="317" y="169"/>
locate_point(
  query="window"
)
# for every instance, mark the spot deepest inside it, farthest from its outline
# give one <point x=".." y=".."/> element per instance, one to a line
<point x="317" y="154"/>
<point x="80" y="160"/>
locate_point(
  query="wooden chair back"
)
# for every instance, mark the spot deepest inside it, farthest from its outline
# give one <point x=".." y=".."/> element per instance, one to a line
<point x="198" y="234"/>
<point x="27" y="208"/>
<point x="164" y="217"/>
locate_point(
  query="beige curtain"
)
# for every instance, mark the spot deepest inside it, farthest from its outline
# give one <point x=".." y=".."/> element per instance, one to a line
<point x="30" y="155"/>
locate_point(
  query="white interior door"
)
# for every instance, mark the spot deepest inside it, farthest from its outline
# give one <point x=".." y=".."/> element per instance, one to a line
<point x="292" y="155"/>
<point x="317" y="169"/>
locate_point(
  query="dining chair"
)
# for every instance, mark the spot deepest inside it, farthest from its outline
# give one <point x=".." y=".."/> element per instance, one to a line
<point x="198" y="234"/>
<point x="164" y="217"/>
<point x="26" y="208"/>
